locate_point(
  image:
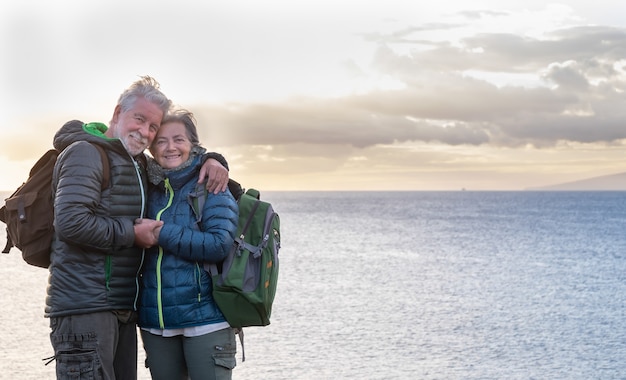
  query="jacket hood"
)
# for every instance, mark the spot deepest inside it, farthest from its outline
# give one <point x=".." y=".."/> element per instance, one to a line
<point x="76" y="130"/>
<point x="94" y="133"/>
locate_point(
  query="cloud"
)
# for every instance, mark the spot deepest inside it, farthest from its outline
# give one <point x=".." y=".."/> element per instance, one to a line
<point x="579" y="83"/>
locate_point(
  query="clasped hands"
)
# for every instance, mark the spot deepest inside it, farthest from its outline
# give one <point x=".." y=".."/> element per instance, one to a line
<point x="147" y="232"/>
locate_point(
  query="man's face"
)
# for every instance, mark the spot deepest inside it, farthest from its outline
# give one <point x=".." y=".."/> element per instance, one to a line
<point x="136" y="127"/>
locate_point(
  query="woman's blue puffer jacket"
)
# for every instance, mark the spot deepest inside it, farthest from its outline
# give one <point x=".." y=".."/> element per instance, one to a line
<point x="176" y="290"/>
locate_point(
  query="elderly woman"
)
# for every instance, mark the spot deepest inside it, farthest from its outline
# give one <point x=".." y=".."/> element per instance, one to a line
<point x="184" y="333"/>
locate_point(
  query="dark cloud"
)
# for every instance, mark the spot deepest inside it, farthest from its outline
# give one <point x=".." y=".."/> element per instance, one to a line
<point x="510" y="52"/>
<point x="580" y="99"/>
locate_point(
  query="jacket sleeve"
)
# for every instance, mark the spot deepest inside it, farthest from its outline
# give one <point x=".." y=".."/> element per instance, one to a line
<point x="78" y="217"/>
<point x="213" y="242"/>
<point x="215" y="156"/>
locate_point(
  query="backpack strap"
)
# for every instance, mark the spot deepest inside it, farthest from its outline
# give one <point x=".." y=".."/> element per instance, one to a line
<point x="106" y="167"/>
<point x="197" y="203"/>
<point x="239" y="332"/>
<point x="244" y="230"/>
<point x="7" y="247"/>
<point x="241" y="240"/>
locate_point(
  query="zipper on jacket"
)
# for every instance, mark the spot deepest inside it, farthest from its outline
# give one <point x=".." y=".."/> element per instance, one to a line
<point x="199" y="281"/>
<point x="141" y="215"/>
<point x="159" y="288"/>
<point x="141" y="185"/>
<point x="170" y="193"/>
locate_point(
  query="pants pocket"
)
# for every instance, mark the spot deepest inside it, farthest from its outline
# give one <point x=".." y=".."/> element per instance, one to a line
<point x="77" y="357"/>
<point x="225" y="360"/>
<point x="224" y="355"/>
<point x="78" y="365"/>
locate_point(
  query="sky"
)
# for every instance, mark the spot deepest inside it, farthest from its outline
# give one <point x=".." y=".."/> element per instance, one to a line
<point x="335" y="95"/>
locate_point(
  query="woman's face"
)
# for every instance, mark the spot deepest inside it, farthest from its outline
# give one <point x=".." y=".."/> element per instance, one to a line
<point x="171" y="145"/>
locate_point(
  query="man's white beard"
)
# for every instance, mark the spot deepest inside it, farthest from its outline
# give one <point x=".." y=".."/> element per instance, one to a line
<point x="134" y="143"/>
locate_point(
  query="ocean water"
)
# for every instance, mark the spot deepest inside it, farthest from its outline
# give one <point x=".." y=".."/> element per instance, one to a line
<point x="413" y="285"/>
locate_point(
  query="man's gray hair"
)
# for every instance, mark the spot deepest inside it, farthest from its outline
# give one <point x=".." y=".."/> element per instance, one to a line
<point x="147" y="88"/>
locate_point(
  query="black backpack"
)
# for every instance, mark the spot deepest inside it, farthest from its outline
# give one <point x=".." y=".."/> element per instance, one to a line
<point x="28" y="212"/>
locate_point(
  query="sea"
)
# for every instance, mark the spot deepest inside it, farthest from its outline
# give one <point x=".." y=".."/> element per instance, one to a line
<point x="412" y="285"/>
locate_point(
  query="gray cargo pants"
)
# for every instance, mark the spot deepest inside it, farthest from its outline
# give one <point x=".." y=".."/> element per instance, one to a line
<point x="205" y="357"/>
<point x="99" y="345"/>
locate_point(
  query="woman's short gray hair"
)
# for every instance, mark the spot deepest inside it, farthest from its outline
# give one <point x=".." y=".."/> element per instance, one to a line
<point x="187" y="119"/>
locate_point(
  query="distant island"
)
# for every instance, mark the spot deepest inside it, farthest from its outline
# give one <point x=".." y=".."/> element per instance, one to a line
<point x="612" y="182"/>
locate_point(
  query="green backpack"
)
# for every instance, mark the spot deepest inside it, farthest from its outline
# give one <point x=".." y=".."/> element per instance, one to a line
<point x="244" y="284"/>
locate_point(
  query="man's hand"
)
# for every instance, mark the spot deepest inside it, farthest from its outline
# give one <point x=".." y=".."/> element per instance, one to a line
<point x="217" y="176"/>
<point x="147" y="232"/>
